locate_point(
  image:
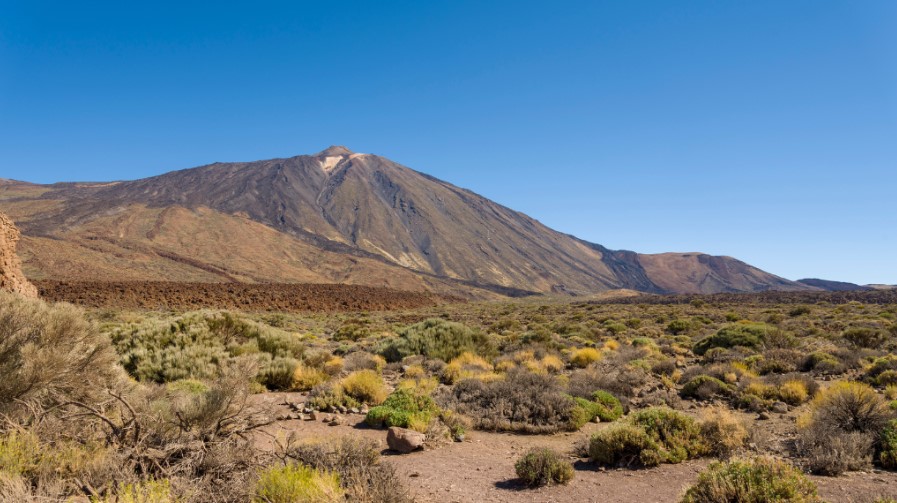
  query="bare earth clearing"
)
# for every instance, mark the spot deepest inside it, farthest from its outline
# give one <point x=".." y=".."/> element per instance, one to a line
<point x="481" y="469"/>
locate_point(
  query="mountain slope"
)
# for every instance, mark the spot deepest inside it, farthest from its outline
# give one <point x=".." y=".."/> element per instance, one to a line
<point x="834" y="286"/>
<point x="335" y="216"/>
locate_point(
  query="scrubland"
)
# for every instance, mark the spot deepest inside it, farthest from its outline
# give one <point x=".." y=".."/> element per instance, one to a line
<point x="772" y="398"/>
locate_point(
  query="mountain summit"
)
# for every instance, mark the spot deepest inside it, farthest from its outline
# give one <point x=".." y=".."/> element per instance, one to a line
<point x="335" y="216"/>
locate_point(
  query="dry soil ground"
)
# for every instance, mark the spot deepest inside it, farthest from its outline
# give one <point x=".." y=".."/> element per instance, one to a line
<point x="481" y="469"/>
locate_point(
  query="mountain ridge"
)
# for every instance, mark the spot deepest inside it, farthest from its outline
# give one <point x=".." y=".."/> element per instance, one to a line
<point x="384" y="223"/>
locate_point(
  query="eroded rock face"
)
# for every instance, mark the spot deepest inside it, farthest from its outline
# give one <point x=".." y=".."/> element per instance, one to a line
<point x="11" y="277"/>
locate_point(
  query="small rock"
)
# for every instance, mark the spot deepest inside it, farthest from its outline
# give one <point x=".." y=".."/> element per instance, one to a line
<point x="596" y="419"/>
<point x="325" y="418"/>
<point x="780" y="407"/>
<point x="343" y="409"/>
<point x="404" y="441"/>
<point x="313" y="416"/>
<point x="763" y="416"/>
<point x="336" y="421"/>
<point x="364" y="409"/>
<point x="307" y="410"/>
<point x="354" y="410"/>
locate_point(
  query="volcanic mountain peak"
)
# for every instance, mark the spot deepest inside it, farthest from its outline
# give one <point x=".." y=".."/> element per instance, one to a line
<point x="334" y="150"/>
<point x="312" y="218"/>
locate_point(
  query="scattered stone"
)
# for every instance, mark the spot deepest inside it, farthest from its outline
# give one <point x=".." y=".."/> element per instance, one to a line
<point x="764" y="416"/>
<point x="780" y="407"/>
<point x="354" y="410"/>
<point x="364" y="409"/>
<point x="404" y="441"/>
<point x="313" y="415"/>
<point x="596" y="419"/>
<point x="307" y="410"/>
<point x="337" y="421"/>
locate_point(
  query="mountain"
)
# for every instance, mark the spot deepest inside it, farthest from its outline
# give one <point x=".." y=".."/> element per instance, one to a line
<point x="834" y="286"/>
<point x="335" y="216"/>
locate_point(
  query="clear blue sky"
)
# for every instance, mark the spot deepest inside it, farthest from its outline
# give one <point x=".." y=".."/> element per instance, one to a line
<point x="765" y="130"/>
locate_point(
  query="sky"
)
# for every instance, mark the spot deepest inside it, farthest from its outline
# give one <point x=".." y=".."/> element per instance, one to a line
<point x="763" y="130"/>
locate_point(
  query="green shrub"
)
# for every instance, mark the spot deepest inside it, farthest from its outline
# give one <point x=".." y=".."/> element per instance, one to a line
<point x="704" y="387"/>
<point x="604" y="406"/>
<point x="649" y="437"/>
<point x="437" y="338"/>
<point x="293" y="482"/>
<point x="882" y="370"/>
<point x="677" y="327"/>
<point x="759" y="480"/>
<point x="865" y="337"/>
<point x="749" y="335"/>
<point x="199" y="345"/>
<point x="887" y="456"/>
<point x="406" y="409"/>
<point x="542" y="467"/>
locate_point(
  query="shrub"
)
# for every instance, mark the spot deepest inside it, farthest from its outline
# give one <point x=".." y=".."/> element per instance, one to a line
<point x="276" y="374"/>
<point x="50" y="354"/>
<point x="365" y="478"/>
<point x="677" y="327"/>
<point x="793" y="392"/>
<point x="305" y="378"/>
<point x="365" y="386"/>
<point x="759" y="480"/>
<point x="842" y="428"/>
<point x="621" y="445"/>
<point x="466" y="366"/>
<point x="850" y="406"/>
<point x="603" y="405"/>
<point x="704" y="387"/>
<point x="542" y="467"/>
<point x="437" y="338"/>
<point x="887" y="456"/>
<point x="865" y="337"/>
<point x="199" y="345"/>
<point x="584" y="357"/>
<point x="649" y="437"/>
<point x="748" y="335"/>
<point x="293" y="482"/>
<point x="522" y="401"/>
<point x="723" y="433"/>
<point x="148" y="491"/>
<point x="882" y="370"/>
<point x="405" y="409"/>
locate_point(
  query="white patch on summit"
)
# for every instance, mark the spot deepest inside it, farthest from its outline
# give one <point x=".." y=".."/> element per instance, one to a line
<point x="330" y="162"/>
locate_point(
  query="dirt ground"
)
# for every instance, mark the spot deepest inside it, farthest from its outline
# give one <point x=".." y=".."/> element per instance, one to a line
<point x="481" y="469"/>
<point x="254" y="297"/>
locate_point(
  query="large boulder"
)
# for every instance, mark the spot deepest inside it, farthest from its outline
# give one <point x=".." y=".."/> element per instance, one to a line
<point x="404" y="441"/>
<point x="11" y="277"/>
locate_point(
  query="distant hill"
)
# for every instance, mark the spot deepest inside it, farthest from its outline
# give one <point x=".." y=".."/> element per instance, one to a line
<point x="834" y="286"/>
<point x="333" y="217"/>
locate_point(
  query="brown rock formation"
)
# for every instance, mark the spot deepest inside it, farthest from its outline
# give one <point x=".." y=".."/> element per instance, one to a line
<point x="11" y="277"/>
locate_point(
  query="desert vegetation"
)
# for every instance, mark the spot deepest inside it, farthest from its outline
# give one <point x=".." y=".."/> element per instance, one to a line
<point x="108" y="404"/>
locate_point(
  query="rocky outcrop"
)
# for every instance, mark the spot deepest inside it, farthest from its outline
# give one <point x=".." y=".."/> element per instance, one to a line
<point x="404" y="441"/>
<point x="11" y="277"/>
